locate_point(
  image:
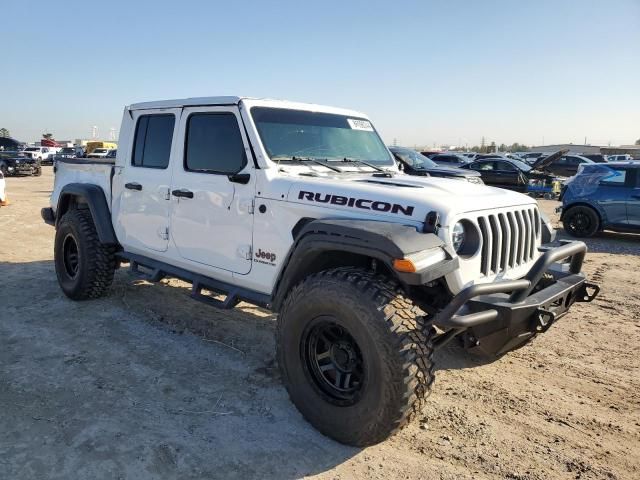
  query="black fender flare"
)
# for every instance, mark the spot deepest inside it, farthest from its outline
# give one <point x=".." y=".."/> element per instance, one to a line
<point x="379" y="240"/>
<point x="94" y="198"/>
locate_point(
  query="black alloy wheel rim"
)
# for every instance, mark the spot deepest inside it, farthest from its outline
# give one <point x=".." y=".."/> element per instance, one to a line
<point x="334" y="361"/>
<point x="70" y="256"/>
<point x="580" y="223"/>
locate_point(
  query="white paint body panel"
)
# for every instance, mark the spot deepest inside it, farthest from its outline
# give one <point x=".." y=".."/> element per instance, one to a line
<point x="211" y="233"/>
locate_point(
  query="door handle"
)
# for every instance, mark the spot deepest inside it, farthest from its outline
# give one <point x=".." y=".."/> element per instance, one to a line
<point x="133" y="186"/>
<point x="182" y="193"/>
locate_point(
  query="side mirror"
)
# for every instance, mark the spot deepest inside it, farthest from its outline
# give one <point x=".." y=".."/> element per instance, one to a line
<point x="242" y="178"/>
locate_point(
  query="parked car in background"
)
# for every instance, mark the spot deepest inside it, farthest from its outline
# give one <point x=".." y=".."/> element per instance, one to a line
<point x="450" y="160"/>
<point x="602" y="197"/>
<point x="470" y="155"/>
<point x="68" y="152"/>
<point x="619" y="158"/>
<point x="502" y="172"/>
<point x="519" y="176"/>
<point x="18" y="163"/>
<point x="414" y="163"/>
<point x="566" y="165"/>
<point x="42" y="154"/>
<point x="595" y="157"/>
<point x="99" y="153"/>
<point x="111" y="154"/>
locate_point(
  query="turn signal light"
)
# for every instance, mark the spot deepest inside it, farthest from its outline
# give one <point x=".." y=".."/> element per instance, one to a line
<point x="404" y="265"/>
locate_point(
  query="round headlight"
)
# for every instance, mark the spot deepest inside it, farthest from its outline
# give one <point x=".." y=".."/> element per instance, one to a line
<point x="458" y="236"/>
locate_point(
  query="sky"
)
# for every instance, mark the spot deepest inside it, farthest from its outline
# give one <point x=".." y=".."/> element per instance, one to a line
<point x="426" y="72"/>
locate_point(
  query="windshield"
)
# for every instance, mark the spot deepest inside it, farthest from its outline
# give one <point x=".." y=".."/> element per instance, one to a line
<point x="68" y="150"/>
<point x="297" y="133"/>
<point x="32" y="149"/>
<point x="521" y="165"/>
<point x="100" y="150"/>
<point x="413" y="158"/>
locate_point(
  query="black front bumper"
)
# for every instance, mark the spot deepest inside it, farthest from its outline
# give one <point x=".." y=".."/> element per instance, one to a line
<point x="494" y="318"/>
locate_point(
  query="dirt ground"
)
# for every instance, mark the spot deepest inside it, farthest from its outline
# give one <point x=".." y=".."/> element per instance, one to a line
<point x="146" y="383"/>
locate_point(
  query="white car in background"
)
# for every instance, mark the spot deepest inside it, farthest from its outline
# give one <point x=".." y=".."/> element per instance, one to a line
<point x="39" y="153"/>
<point x="619" y="158"/>
<point x="99" y="153"/>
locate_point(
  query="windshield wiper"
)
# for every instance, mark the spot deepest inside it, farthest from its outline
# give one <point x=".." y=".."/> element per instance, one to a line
<point x="307" y="159"/>
<point x="382" y="171"/>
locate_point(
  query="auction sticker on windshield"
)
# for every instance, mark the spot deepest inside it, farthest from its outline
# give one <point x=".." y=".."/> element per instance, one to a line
<point x="360" y="125"/>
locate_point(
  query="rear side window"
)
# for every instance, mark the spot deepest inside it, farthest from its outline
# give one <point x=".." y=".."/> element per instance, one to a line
<point x="214" y="144"/>
<point x="152" y="143"/>
<point x="617" y="177"/>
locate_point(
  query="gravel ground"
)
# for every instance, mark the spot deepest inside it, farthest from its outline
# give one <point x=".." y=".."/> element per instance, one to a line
<point x="146" y="383"/>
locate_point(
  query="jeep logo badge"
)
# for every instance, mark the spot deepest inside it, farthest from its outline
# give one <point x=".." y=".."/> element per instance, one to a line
<point x="267" y="258"/>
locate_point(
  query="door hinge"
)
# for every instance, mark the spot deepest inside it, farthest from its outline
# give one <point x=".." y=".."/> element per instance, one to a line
<point x="245" y="251"/>
<point x="164" y="233"/>
<point x="248" y="205"/>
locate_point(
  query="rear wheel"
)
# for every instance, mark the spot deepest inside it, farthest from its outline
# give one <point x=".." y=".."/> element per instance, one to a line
<point x="84" y="266"/>
<point x="355" y="355"/>
<point x="581" y="221"/>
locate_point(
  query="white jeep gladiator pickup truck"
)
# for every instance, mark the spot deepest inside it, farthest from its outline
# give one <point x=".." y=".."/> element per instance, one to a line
<point x="301" y="209"/>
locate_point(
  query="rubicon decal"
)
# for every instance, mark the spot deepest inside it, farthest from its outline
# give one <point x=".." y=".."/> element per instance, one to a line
<point x="362" y="203"/>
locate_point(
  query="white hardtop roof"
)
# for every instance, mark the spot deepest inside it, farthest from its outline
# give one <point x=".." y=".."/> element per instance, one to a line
<point x="250" y="101"/>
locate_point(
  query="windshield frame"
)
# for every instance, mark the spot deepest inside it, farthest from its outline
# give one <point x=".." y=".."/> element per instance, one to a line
<point x="386" y="163"/>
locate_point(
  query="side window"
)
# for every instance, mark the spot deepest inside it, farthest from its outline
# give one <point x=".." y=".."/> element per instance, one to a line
<point x="152" y="143"/>
<point x="487" y="166"/>
<point x="505" y="166"/>
<point x="214" y="144"/>
<point x="617" y="177"/>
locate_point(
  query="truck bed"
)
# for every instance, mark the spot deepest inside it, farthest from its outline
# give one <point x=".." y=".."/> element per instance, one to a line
<point x="95" y="171"/>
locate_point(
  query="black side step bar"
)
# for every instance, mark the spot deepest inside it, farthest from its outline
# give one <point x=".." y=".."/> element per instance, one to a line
<point x="159" y="270"/>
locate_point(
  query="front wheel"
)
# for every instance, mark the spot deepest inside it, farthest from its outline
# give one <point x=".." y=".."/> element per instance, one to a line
<point x="84" y="266"/>
<point x="581" y="221"/>
<point x="355" y="355"/>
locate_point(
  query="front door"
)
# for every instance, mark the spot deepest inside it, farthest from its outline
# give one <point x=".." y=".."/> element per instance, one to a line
<point x="613" y="196"/>
<point x="143" y="218"/>
<point x="213" y="189"/>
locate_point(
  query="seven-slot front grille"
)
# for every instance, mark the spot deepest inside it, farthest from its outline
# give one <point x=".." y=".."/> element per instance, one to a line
<point x="508" y="239"/>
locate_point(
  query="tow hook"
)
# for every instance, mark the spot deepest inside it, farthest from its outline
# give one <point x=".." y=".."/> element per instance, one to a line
<point x="586" y="296"/>
<point x="544" y="320"/>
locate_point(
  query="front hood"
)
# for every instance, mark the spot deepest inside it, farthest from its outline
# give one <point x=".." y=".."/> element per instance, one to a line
<point x="543" y="162"/>
<point x="402" y="197"/>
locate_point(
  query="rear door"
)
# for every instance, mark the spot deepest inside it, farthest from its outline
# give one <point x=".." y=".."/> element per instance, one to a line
<point x="507" y="174"/>
<point x="213" y="190"/>
<point x="143" y="219"/>
<point x="633" y="201"/>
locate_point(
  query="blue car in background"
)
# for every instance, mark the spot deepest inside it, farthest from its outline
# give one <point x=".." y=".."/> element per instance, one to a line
<point x="602" y="197"/>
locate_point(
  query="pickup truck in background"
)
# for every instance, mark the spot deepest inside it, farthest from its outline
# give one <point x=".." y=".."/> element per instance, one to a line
<point x="43" y="154"/>
<point x="301" y="209"/>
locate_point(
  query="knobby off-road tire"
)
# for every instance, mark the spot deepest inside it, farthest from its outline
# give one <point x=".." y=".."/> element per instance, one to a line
<point x="384" y="329"/>
<point x="581" y="221"/>
<point x="84" y="266"/>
